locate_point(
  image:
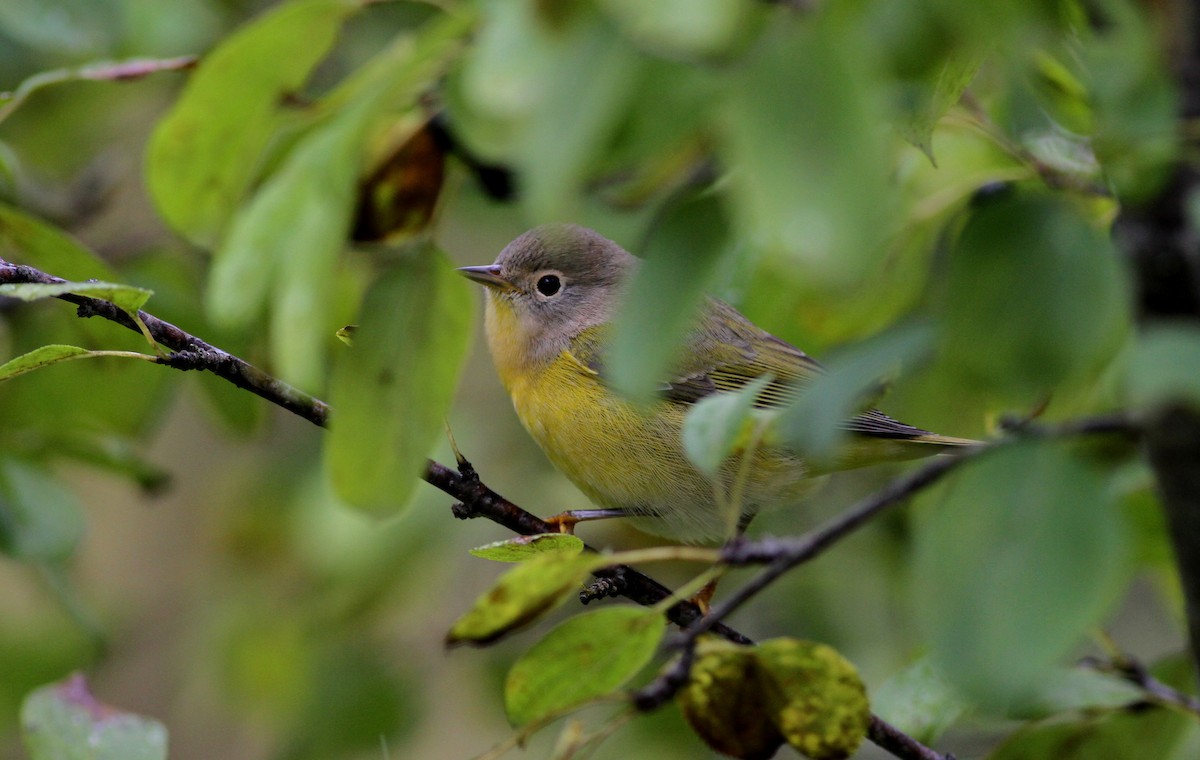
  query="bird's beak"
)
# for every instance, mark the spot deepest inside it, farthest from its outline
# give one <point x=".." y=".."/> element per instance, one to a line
<point x="489" y="275"/>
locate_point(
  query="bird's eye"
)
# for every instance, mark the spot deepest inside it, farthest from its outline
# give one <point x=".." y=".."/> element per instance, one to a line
<point x="549" y="284"/>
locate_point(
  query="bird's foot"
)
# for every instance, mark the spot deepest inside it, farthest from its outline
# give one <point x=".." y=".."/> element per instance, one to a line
<point x="565" y="521"/>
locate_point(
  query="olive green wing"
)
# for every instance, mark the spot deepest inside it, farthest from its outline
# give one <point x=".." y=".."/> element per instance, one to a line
<point x="726" y="351"/>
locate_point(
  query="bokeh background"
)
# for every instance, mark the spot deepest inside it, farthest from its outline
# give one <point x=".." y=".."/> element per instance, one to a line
<point x="224" y="590"/>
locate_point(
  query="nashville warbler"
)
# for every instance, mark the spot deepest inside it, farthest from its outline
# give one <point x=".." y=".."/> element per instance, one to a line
<point x="551" y="296"/>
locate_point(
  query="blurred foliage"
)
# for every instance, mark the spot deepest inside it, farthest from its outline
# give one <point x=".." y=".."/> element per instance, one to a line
<point x="928" y="181"/>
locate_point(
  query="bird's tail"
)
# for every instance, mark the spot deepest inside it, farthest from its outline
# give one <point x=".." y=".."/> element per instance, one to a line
<point x="944" y="440"/>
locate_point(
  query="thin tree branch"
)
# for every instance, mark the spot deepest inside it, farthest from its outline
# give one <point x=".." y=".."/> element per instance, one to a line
<point x="783" y="554"/>
<point x="886" y="736"/>
<point x="192" y="353"/>
<point x="1136" y="673"/>
<point x="106" y="71"/>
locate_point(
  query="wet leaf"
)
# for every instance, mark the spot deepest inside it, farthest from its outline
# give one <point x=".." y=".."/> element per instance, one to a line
<point x="746" y="701"/>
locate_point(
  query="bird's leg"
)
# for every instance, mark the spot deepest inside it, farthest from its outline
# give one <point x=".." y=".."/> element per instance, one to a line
<point x="565" y="521"/>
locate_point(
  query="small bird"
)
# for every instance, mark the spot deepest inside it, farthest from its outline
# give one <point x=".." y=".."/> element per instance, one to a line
<point x="551" y="298"/>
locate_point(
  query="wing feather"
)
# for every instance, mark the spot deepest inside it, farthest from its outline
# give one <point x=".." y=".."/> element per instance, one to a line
<point x="725" y="353"/>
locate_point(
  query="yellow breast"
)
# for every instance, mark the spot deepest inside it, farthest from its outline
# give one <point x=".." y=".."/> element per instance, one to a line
<point x="620" y="455"/>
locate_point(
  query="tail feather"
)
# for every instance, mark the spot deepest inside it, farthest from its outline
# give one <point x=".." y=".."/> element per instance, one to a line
<point x="875" y="424"/>
<point x="945" y="440"/>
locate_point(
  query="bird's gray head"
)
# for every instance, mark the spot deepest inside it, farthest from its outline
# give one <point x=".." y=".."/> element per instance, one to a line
<point x="557" y="280"/>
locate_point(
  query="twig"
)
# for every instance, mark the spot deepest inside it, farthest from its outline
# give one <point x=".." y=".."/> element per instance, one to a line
<point x="1133" y="671"/>
<point x="783" y="554"/>
<point x="108" y="71"/>
<point x="886" y="736"/>
<point x="192" y="353"/>
<point x="480" y="501"/>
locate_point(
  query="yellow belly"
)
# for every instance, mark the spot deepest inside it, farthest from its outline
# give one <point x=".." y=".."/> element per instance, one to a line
<point x="623" y="457"/>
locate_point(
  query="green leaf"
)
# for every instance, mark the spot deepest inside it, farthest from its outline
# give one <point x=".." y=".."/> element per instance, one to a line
<point x="286" y="241"/>
<point x="1073" y="689"/>
<point x="126" y="297"/>
<point x="1134" y="100"/>
<point x="1036" y="297"/>
<point x="1128" y="735"/>
<point x="206" y="152"/>
<point x="1114" y="734"/>
<point x="1117" y="734"/>
<point x="520" y="596"/>
<point x="509" y="68"/>
<point x="48" y="355"/>
<point x="724" y="704"/>
<point x="393" y="388"/>
<point x="39" y="519"/>
<point x="651" y="156"/>
<point x="815" y="423"/>
<point x="64" y="721"/>
<point x="681" y="255"/>
<point x="746" y="701"/>
<point x="815" y="697"/>
<point x="93" y="395"/>
<point x="41" y="245"/>
<point x="1024" y="552"/>
<point x="919" y="701"/>
<point x="521" y="548"/>
<point x="570" y="126"/>
<point x="585" y="657"/>
<point x="1165" y="365"/>
<point x="715" y="425"/>
<point x="811" y="178"/>
<point x="934" y="98"/>
<point x="293" y="231"/>
<point x="683" y="27"/>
